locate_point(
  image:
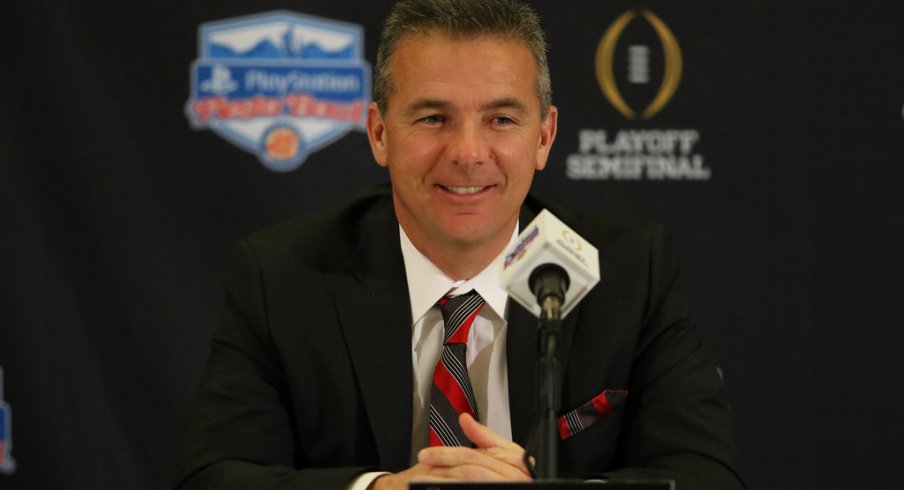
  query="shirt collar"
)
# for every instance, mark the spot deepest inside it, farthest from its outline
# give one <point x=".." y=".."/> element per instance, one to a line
<point x="427" y="284"/>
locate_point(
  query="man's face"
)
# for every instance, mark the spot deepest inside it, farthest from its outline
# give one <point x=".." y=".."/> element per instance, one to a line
<point x="462" y="136"/>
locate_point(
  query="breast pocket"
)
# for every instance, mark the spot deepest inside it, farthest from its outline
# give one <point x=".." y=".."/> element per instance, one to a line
<point x="590" y="412"/>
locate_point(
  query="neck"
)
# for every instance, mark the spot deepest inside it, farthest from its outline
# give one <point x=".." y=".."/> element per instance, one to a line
<point x="461" y="260"/>
<point x="462" y="263"/>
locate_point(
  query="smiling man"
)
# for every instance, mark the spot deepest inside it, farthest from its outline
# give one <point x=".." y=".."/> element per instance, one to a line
<point x="373" y="346"/>
<point x="462" y="132"/>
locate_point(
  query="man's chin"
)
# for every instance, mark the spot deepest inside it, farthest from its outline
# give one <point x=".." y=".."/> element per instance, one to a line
<point x="475" y="233"/>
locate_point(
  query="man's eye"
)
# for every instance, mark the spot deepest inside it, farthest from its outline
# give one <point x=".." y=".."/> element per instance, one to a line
<point x="432" y="119"/>
<point x="503" y="120"/>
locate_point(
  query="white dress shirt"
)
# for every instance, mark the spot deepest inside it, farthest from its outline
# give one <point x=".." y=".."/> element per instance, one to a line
<point x="485" y="352"/>
<point x="486" y="343"/>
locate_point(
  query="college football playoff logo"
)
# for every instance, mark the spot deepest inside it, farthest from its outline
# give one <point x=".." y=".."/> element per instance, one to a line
<point x="638" y="57"/>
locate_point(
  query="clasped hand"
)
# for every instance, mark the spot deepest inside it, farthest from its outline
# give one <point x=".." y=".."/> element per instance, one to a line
<point x="493" y="459"/>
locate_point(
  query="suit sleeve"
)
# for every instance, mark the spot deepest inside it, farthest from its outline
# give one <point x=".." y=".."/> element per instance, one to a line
<point x="239" y="432"/>
<point x="677" y="423"/>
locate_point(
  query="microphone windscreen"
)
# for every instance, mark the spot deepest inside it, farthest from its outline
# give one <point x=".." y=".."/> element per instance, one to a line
<point x="547" y="240"/>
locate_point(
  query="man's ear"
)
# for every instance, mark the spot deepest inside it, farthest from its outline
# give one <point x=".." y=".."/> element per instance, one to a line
<point x="376" y="134"/>
<point x="548" y="128"/>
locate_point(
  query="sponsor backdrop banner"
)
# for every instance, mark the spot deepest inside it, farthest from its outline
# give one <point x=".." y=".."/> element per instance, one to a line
<point x="138" y="139"/>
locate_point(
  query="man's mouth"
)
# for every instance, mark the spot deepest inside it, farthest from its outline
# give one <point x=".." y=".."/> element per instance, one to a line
<point x="461" y="190"/>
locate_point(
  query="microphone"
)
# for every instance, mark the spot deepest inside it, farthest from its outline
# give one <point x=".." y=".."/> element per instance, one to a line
<point x="549" y="282"/>
<point x="548" y="260"/>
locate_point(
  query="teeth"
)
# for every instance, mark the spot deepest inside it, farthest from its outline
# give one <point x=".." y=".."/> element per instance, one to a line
<point x="464" y="190"/>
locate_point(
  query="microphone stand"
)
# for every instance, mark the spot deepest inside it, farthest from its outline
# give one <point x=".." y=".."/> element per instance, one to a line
<point x="548" y="282"/>
<point x="547" y="431"/>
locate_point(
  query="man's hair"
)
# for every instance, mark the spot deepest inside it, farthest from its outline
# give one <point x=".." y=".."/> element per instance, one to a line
<point x="461" y="19"/>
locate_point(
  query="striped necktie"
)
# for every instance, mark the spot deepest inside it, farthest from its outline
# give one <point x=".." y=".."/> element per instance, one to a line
<point x="451" y="393"/>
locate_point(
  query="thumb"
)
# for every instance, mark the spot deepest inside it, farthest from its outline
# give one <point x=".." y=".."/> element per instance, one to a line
<point x="480" y="434"/>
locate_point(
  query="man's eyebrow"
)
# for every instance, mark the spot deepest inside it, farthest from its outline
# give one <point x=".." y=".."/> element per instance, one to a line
<point x="422" y="104"/>
<point x="505" y="103"/>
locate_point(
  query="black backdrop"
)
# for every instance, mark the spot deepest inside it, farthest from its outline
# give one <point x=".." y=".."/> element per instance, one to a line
<point x="114" y="215"/>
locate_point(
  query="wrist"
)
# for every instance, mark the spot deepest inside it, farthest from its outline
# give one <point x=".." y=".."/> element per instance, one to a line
<point x="382" y="482"/>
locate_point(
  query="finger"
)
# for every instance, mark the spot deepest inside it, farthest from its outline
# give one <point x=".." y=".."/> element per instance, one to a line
<point x="427" y="478"/>
<point x="476" y="472"/>
<point x="481" y="435"/>
<point x="446" y="458"/>
<point x="513" y="457"/>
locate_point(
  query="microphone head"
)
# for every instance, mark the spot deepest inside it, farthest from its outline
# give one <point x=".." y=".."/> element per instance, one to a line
<point x="548" y="241"/>
<point x="549" y="280"/>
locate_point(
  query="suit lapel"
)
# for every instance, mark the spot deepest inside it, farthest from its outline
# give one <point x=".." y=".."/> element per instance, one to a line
<point x="375" y="319"/>
<point x="521" y="358"/>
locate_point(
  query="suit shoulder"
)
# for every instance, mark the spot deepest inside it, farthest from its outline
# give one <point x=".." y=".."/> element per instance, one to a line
<point x="601" y="229"/>
<point x="324" y="237"/>
<point x="604" y="229"/>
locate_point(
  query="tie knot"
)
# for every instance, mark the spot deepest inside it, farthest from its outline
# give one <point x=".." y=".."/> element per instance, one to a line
<point x="458" y="315"/>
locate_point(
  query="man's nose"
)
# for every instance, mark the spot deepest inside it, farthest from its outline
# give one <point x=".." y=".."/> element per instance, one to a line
<point x="467" y="145"/>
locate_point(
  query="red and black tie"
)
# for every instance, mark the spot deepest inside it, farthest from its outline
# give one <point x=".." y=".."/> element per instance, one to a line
<point x="451" y="393"/>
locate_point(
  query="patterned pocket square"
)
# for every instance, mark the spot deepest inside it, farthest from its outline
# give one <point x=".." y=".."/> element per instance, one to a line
<point x="584" y="416"/>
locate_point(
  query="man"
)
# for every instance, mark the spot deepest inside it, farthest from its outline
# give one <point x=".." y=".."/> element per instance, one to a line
<point x="324" y="371"/>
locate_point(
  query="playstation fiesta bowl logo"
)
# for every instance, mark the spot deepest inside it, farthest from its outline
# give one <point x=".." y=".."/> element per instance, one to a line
<point x="635" y="51"/>
<point x="7" y="463"/>
<point x="279" y="84"/>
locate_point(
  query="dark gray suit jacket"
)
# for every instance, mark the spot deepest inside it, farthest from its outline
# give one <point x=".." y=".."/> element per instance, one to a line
<point x="309" y="381"/>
